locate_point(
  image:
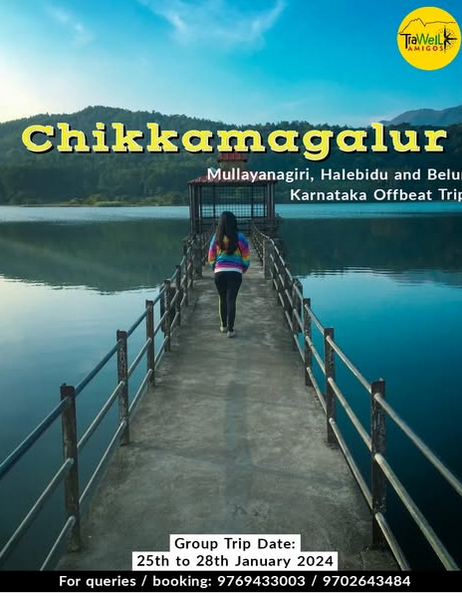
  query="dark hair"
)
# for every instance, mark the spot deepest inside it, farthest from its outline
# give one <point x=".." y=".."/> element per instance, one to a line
<point x="227" y="226"/>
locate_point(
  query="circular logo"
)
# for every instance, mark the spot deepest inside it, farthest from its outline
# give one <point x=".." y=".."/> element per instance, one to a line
<point x="429" y="38"/>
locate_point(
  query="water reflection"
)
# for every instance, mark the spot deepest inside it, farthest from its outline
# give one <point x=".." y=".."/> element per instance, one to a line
<point x="410" y="250"/>
<point x="108" y="257"/>
<point x="391" y="289"/>
<point x="64" y="291"/>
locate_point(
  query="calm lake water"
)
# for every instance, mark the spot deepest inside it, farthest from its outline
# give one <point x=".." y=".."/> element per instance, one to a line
<point x="388" y="278"/>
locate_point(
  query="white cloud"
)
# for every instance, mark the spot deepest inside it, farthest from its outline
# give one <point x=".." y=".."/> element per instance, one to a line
<point x="79" y="32"/>
<point x="216" y="21"/>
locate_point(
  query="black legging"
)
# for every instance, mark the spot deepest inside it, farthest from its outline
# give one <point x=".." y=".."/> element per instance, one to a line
<point x="228" y="284"/>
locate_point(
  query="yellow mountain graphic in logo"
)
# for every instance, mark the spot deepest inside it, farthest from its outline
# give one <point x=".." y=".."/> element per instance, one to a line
<point x="429" y="38"/>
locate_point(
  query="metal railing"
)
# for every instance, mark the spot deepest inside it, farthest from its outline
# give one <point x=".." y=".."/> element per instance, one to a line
<point x="301" y="319"/>
<point x="173" y="296"/>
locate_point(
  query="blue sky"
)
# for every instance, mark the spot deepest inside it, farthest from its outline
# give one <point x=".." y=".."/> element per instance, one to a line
<point x="238" y="61"/>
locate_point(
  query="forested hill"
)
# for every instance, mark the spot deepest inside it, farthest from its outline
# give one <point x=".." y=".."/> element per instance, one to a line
<point x="92" y="178"/>
<point x="147" y="178"/>
<point x="428" y="116"/>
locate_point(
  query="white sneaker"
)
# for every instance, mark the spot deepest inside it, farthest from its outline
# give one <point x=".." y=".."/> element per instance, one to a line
<point x="222" y="329"/>
<point x="231" y="334"/>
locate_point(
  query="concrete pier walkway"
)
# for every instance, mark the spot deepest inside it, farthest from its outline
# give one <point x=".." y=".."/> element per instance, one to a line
<point x="229" y="441"/>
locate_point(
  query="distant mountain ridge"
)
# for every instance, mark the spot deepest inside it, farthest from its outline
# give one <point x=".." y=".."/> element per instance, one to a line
<point x="428" y="116"/>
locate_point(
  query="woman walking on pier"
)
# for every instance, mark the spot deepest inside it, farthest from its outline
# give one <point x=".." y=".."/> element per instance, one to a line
<point x="229" y="257"/>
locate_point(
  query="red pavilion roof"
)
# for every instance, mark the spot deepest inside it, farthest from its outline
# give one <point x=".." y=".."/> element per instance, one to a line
<point x="232" y="156"/>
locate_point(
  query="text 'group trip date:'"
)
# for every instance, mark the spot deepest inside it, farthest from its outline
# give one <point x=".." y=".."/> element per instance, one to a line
<point x="246" y="552"/>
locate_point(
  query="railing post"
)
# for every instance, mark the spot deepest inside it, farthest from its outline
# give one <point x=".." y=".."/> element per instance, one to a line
<point x="296" y="284"/>
<point x="122" y="376"/>
<point x="291" y="306"/>
<point x="197" y="256"/>
<point x="163" y="325"/>
<point x="307" y="334"/>
<point x="151" y="352"/>
<point x="186" y="272"/>
<point x="167" y="309"/>
<point x="276" y="267"/>
<point x="283" y="289"/>
<point x="274" y="275"/>
<point x="259" y="244"/>
<point x="204" y="248"/>
<point x="284" y="284"/>
<point x="329" y="364"/>
<point x="288" y="287"/>
<point x="191" y="265"/>
<point x="179" y="290"/>
<point x="71" y="478"/>
<point x="267" y="255"/>
<point x="378" y="479"/>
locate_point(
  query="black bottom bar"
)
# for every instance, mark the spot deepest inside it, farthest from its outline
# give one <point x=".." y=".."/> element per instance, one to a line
<point x="230" y="581"/>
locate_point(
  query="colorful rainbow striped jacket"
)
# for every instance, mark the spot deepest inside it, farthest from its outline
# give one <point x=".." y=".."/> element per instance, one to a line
<point x="220" y="261"/>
